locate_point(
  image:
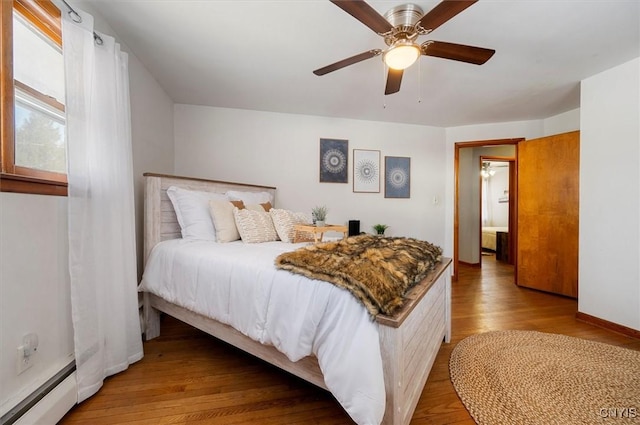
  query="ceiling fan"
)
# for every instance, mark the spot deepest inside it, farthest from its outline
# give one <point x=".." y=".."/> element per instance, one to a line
<point x="401" y="27"/>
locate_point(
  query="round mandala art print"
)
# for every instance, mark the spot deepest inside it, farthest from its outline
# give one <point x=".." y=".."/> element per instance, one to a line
<point x="366" y="171"/>
<point x="397" y="178"/>
<point x="334" y="161"/>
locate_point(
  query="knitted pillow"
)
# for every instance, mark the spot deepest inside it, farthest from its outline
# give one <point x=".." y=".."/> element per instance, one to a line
<point x="254" y="226"/>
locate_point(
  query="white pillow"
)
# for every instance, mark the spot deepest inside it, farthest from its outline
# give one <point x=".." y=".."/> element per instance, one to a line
<point x="254" y="226"/>
<point x="192" y="211"/>
<point x="284" y="220"/>
<point x="266" y="206"/>
<point x="224" y="221"/>
<point x="250" y="198"/>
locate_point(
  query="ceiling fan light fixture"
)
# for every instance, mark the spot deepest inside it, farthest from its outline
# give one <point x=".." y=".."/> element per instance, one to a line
<point x="487" y="171"/>
<point x="401" y="55"/>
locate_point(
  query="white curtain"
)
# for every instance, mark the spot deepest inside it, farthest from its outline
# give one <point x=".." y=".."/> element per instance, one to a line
<point x="486" y="202"/>
<point x="102" y="252"/>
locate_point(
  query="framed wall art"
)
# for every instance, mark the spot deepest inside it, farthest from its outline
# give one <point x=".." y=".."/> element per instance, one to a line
<point x="334" y="161"/>
<point x="366" y="171"/>
<point x="397" y="177"/>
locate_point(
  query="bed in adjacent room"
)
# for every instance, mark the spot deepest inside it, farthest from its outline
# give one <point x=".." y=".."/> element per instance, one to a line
<point x="489" y="237"/>
<point x="375" y="365"/>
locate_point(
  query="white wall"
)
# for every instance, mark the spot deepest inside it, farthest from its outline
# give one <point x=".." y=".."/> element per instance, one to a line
<point x="282" y="150"/>
<point x="34" y="281"/>
<point x="609" y="270"/>
<point x="34" y="291"/>
<point x="152" y="137"/>
<point x="561" y="123"/>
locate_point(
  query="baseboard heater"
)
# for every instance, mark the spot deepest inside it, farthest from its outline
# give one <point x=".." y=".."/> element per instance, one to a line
<point x="32" y="405"/>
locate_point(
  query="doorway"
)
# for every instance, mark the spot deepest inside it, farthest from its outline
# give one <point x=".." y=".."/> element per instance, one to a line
<point x="467" y="243"/>
<point x="497" y="215"/>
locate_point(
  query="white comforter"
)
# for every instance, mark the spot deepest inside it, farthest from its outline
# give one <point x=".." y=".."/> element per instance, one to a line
<point x="238" y="284"/>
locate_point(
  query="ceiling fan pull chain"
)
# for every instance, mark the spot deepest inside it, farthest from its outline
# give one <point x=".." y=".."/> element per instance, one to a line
<point x="384" y="79"/>
<point x="419" y="82"/>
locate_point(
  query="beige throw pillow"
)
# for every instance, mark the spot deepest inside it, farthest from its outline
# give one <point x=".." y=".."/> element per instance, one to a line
<point x="224" y="221"/>
<point x="254" y="226"/>
<point x="284" y="222"/>
<point x="257" y="207"/>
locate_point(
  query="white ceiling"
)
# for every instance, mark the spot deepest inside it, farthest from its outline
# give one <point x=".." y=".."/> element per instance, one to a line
<point x="260" y="55"/>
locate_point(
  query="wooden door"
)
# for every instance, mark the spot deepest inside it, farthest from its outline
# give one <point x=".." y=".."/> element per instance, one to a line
<point x="547" y="231"/>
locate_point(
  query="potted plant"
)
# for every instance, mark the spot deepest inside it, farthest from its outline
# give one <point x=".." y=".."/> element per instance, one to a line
<point x="380" y="228"/>
<point x="319" y="214"/>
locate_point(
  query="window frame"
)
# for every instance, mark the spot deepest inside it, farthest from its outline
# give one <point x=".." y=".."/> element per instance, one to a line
<point x="45" y="16"/>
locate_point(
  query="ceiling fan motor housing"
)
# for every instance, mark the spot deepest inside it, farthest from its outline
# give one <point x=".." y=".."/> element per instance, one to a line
<point x="403" y="18"/>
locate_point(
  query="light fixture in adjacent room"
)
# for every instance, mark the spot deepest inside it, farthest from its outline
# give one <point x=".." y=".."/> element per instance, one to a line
<point x="401" y="54"/>
<point x="487" y="171"/>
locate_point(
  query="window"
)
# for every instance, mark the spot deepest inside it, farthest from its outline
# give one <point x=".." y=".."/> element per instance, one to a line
<point x="33" y="147"/>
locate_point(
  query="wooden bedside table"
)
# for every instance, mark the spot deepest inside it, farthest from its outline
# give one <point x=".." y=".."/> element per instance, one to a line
<point x="318" y="232"/>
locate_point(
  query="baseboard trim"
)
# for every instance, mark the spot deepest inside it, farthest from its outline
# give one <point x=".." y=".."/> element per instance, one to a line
<point x="605" y="324"/>
<point x="49" y="403"/>
<point x="469" y="264"/>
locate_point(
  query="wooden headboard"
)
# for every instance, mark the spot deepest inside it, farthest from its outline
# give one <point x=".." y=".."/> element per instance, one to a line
<point x="160" y="222"/>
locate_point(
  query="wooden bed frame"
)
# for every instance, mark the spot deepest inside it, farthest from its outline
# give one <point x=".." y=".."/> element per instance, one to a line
<point x="409" y="340"/>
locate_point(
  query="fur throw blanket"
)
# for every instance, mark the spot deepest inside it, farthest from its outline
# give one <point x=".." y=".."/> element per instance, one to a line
<point x="377" y="270"/>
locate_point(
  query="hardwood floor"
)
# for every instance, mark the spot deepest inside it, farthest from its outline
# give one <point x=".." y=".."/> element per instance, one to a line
<point x="189" y="377"/>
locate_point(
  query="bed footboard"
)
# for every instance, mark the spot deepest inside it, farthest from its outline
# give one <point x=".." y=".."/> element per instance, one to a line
<point x="410" y="342"/>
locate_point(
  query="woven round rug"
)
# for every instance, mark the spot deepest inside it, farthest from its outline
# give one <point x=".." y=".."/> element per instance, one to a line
<point x="526" y="377"/>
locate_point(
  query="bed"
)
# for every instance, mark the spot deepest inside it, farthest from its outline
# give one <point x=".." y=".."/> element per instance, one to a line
<point x="489" y="237"/>
<point x="408" y="341"/>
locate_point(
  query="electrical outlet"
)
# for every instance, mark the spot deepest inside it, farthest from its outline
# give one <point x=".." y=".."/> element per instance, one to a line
<point x="22" y="362"/>
<point x="25" y="353"/>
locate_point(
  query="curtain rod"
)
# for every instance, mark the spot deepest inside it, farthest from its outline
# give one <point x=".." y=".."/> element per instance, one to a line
<point x="75" y="17"/>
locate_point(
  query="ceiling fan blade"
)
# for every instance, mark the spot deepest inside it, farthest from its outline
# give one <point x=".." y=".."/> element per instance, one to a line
<point x="365" y="14"/>
<point x="394" y="78"/>
<point x="444" y="11"/>
<point x="457" y="52"/>
<point x="348" y="61"/>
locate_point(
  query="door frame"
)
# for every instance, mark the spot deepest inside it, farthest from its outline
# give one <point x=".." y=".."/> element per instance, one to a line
<point x="512" y="197"/>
